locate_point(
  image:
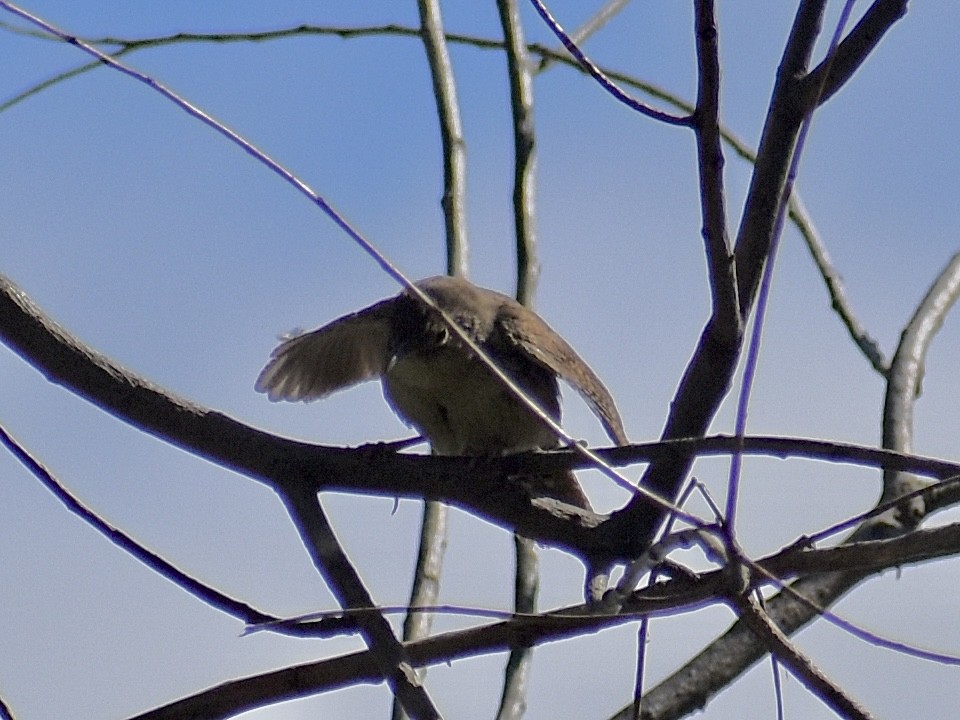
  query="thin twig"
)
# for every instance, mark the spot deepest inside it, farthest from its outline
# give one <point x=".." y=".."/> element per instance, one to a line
<point x="834" y="284"/>
<point x="906" y="372"/>
<point x="524" y="150"/>
<point x="766" y="281"/>
<point x="426" y="580"/>
<point x="710" y="163"/>
<point x="605" y="82"/>
<point x="517" y="671"/>
<point x="205" y="593"/>
<point x="594" y="23"/>
<point x="928" y="494"/>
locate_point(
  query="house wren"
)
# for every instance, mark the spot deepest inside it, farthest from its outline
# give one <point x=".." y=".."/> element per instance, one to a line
<point x="437" y="385"/>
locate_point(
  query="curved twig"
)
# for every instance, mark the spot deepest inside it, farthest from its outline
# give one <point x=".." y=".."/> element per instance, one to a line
<point x="906" y="375"/>
<point x="594" y="71"/>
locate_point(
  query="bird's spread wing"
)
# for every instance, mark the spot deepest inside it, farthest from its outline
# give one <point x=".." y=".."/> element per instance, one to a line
<point x="530" y="333"/>
<point x="348" y="351"/>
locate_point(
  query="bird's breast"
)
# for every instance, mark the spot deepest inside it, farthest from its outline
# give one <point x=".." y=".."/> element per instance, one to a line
<point x="462" y="408"/>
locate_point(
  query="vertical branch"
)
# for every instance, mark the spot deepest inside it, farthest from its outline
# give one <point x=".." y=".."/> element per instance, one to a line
<point x="524" y="149"/>
<point x="329" y="558"/>
<point x="426" y="580"/>
<point x="451" y="136"/>
<point x="709" y="374"/>
<point x="706" y="126"/>
<point x="527" y="570"/>
<point x="753" y="351"/>
<point x="433" y="525"/>
<point x="516" y="674"/>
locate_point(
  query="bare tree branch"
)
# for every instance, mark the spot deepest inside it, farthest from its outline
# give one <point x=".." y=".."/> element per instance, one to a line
<point x="802" y="668"/>
<point x="787" y="110"/>
<point x="345" y="583"/>
<point x="598" y="75"/>
<point x="906" y="374"/>
<point x="706" y="124"/>
<point x="513" y="699"/>
<point x="378" y="469"/>
<point x="433" y="526"/>
<point x="579" y="36"/>
<point x="451" y="136"/>
<point x="857" y="46"/>
<point x="834" y="283"/>
<point x="426" y="578"/>
<point x="524" y="150"/>
<point x="205" y="593"/>
<point x="516" y="674"/>
<point x="667" y="598"/>
<point x="708" y="375"/>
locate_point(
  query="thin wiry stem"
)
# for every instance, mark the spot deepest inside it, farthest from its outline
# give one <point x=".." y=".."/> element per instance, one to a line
<point x="766" y="282"/>
<point x="598" y="75"/>
<point x="593" y="24"/>
<point x="205" y="593"/>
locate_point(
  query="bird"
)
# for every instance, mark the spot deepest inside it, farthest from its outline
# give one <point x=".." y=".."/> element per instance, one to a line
<point x="436" y="384"/>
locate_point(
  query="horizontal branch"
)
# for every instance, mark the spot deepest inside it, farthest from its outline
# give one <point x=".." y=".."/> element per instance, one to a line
<point x="668" y="598"/>
<point x="493" y="492"/>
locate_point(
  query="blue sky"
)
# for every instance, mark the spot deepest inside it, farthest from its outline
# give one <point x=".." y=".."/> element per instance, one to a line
<point x="173" y="252"/>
